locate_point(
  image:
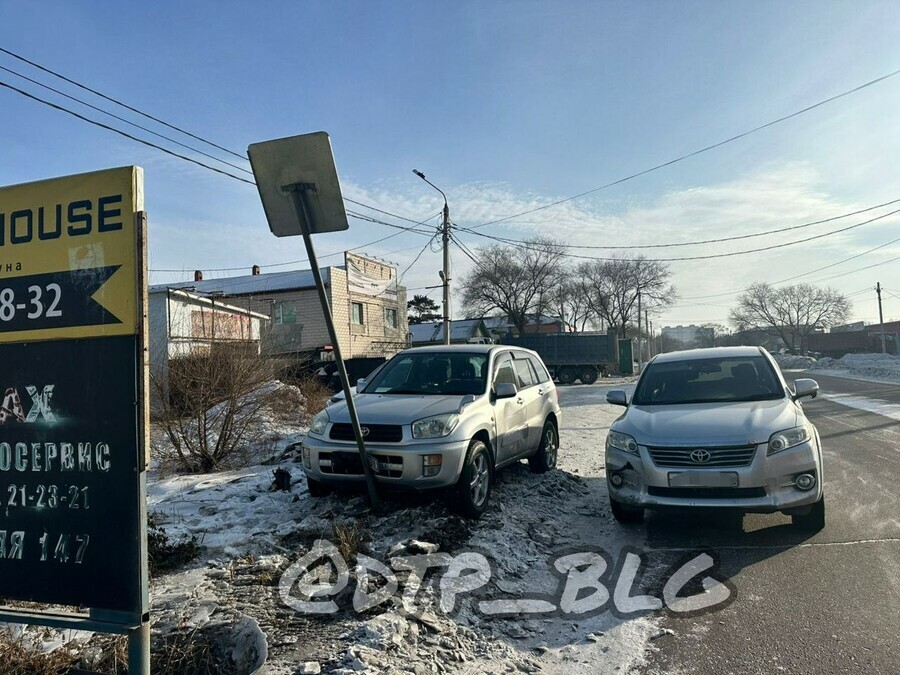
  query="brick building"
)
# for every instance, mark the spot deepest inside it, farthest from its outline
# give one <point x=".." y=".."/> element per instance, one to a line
<point x="368" y="303"/>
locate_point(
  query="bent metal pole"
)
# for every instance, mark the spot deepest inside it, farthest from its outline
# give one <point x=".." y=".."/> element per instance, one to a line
<point x="299" y="196"/>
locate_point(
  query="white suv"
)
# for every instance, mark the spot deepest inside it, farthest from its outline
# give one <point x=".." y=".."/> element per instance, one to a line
<point x="438" y="417"/>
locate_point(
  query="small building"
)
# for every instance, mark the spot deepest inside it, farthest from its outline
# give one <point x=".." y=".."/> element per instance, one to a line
<point x="461" y="331"/>
<point x="368" y="304"/>
<point x="182" y="324"/>
<point x="500" y="326"/>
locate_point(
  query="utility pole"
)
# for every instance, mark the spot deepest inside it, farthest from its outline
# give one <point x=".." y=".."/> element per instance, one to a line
<point x="649" y="334"/>
<point x="880" y="317"/>
<point x="445" y="273"/>
<point x="640" y="349"/>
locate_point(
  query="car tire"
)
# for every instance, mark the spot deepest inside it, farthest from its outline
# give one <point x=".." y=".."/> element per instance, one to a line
<point x="473" y="490"/>
<point x="813" y="520"/>
<point x="317" y="488"/>
<point x="548" y="451"/>
<point x="566" y="375"/>
<point x="626" y="514"/>
<point x="588" y="376"/>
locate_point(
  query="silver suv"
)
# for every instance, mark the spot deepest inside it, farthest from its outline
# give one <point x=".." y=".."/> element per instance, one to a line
<point x="715" y="428"/>
<point x="437" y="417"/>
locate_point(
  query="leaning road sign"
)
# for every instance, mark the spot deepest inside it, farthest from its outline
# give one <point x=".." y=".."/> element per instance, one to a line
<point x="73" y="399"/>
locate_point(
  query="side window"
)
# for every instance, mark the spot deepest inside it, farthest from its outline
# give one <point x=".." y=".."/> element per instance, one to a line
<point x="284" y="312"/>
<point x="540" y="369"/>
<point x="356" y="313"/>
<point x="503" y="371"/>
<point x="526" y="374"/>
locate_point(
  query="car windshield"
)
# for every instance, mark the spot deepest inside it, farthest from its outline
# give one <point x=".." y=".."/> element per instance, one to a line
<point x="715" y="380"/>
<point x="432" y="373"/>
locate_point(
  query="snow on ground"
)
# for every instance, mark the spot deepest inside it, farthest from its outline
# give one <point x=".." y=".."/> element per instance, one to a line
<point x="872" y="405"/>
<point x="252" y="534"/>
<point x="876" y="367"/>
<point x="792" y="362"/>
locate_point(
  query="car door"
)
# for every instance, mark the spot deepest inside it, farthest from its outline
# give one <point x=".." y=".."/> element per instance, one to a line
<point x="547" y="395"/>
<point x="510" y="414"/>
<point x="528" y="391"/>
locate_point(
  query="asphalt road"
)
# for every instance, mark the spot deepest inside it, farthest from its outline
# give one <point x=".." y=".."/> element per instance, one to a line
<point x="824" y="604"/>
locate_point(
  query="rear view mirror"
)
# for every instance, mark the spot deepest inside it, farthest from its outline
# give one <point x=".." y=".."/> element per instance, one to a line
<point x="617" y="397"/>
<point x="805" y="387"/>
<point x="361" y="384"/>
<point x="505" y="390"/>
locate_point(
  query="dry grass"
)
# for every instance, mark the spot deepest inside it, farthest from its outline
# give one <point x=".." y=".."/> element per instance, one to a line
<point x="185" y="653"/>
<point x="349" y="538"/>
<point x="18" y="657"/>
<point x="163" y="554"/>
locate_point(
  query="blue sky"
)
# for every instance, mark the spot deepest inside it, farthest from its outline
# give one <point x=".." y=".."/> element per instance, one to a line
<point x="506" y="106"/>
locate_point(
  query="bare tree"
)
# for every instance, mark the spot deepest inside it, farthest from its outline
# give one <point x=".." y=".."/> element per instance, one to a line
<point x="712" y="335"/>
<point x="613" y="287"/>
<point x="517" y="280"/>
<point x="207" y="404"/>
<point x="571" y="301"/>
<point x="791" y="312"/>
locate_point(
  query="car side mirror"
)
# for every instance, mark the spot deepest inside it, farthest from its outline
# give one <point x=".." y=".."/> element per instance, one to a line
<point x="617" y="397"/>
<point x="805" y="387"/>
<point x="360" y="384"/>
<point x="505" y="390"/>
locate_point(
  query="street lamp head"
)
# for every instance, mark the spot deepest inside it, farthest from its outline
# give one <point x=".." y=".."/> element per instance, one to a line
<point x="419" y="173"/>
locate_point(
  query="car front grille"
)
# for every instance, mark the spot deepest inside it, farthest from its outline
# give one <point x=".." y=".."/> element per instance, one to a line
<point x="707" y="493"/>
<point x="378" y="433"/>
<point x="735" y="456"/>
<point x="349" y="464"/>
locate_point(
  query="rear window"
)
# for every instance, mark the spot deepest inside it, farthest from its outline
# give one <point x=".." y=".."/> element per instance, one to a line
<point x="749" y="378"/>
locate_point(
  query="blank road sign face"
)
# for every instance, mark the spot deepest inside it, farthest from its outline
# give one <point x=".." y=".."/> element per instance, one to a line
<point x="305" y="159"/>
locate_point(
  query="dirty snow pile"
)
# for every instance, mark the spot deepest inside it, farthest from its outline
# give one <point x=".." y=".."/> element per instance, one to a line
<point x="884" y="367"/>
<point x="793" y="362"/>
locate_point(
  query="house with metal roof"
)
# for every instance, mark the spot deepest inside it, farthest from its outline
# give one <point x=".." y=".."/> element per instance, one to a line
<point x="367" y="301"/>
<point x="461" y="330"/>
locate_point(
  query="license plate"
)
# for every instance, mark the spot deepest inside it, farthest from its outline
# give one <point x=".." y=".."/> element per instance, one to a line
<point x="703" y="479"/>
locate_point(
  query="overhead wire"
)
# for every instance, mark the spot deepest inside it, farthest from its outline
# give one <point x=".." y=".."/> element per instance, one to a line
<point x="707" y="148"/>
<point x="119" y="103"/>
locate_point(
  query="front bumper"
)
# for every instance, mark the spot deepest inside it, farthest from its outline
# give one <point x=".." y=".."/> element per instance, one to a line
<point x="766" y="485"/>
<point x="398" y="465"/>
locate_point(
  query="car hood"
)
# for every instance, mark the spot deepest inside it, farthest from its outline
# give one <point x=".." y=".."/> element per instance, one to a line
<point x="738" y="423"/>
<point x="395" y="408"/>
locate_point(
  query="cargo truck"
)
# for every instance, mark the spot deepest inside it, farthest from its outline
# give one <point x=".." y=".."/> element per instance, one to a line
<point x="572" y="356"/>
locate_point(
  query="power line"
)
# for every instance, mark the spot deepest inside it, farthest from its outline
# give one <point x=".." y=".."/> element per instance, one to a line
<point x="126" y="121"/>
<point x="697" y="152"/>
<point x="122" y="133"/>
<point x="120" y="103"/>
<point x="707" y="241"/>
<point x="805" y="274"/>
<point x="527" y="246"/>
<point x="416" y="259"/>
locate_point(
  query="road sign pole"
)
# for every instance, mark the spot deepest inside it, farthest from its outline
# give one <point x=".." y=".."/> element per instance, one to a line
<point x="299" y="193"/>
<point x="139" y="650"/>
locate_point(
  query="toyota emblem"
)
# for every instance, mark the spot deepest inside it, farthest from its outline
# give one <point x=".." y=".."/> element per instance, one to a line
<point x="700" y="456"/>
<point x="365" y="431"/>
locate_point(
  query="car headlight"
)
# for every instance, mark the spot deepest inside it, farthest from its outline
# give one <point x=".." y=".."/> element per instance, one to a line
<point x="435" y="427"/>
<point x="319" y="422"/>
<point x="622" y="442"/>
<point x="789" y="438"/>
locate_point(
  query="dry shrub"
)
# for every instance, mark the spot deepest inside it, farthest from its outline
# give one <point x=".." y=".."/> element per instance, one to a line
<point x="210" y="401"/>
<point x="163" y="554"/>
<point x="315" y="396"/>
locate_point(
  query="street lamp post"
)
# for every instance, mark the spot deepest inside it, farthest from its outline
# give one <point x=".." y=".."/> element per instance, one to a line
<point x="445" y="275"/>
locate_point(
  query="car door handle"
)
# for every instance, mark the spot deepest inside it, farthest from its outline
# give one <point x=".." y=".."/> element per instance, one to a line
<point x="520" y="401"/>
